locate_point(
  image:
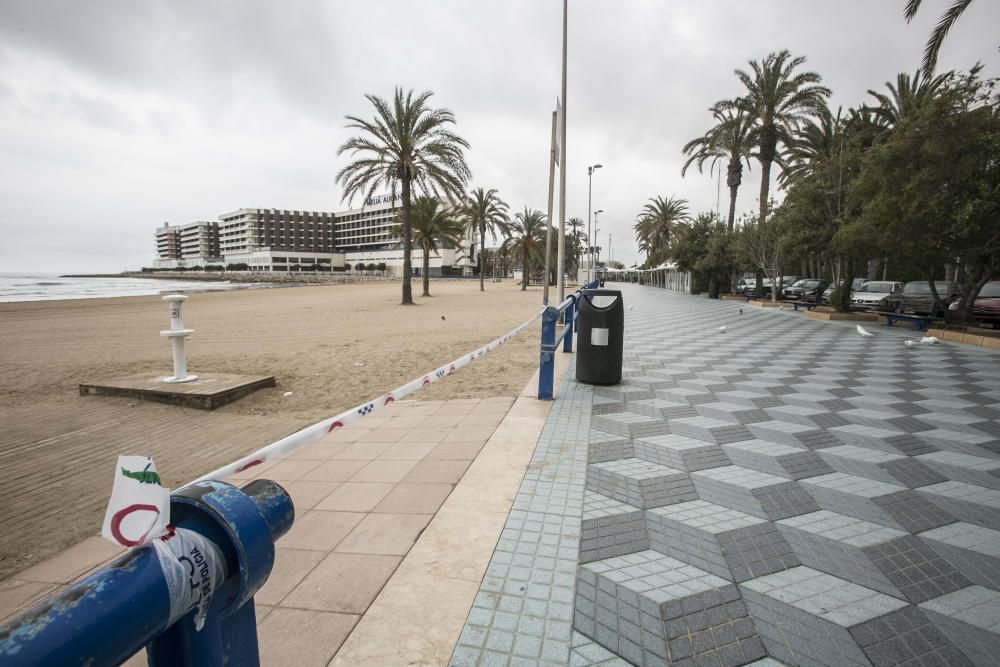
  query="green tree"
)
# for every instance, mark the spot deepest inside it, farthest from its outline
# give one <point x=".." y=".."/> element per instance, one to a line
<point x="407" y="144"/>
<point x="656" y="227"/>
<point x="907" y="96"/>
<point x="931" y="190"/>
<point x="527" y="236"/>
<point x="485" y="212"/>
<point x="730" y="139"/>
<point x="777" y="100"/>
<point x="934" y="42"/>
<point x="705" y="247"/>
<point x="433" y="227"/>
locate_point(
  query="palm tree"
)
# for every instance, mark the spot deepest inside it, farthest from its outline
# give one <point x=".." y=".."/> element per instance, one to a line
<point x="777" y="100"/>
<point x="909" y="95"/>
<point x="485" y="212"/>
<point x="936" y="39"/>
<point x="731" y="139"/>
<point x="527" y="235"/>
<point x="432" y="228"/>
<point x="406" y="144"/>
<point x="574" y="231"/>
<point x="656" y="226"/>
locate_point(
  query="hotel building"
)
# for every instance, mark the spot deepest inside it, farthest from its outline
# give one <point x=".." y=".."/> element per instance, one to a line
<point x="268" y="240"/>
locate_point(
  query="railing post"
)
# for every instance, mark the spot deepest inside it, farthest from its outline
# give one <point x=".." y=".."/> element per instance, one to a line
<point x="570" y="324"/>
<point x="148" y="598"/>
<point x="546" y="362"/>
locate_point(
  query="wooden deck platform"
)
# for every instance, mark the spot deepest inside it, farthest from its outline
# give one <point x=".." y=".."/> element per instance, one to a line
<point x="208" y="392"/>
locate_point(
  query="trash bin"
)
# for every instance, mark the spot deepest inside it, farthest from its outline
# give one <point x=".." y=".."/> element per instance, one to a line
<point x="600" y="333"/>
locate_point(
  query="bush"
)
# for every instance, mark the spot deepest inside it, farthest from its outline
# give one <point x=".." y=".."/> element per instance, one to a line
<point x="346" y="267"/>
<point x="237" y="267"/>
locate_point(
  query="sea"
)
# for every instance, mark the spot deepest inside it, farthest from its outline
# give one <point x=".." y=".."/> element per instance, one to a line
<point x="52" y="286"/>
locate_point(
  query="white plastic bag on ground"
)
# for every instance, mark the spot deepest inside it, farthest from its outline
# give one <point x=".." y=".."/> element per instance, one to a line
<point x="139" y="509"/>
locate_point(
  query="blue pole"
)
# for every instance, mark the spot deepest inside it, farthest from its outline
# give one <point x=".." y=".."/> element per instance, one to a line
<point x="110" y="615"/>
<point x="546" y="367"/>
<point x="570" y="320"/>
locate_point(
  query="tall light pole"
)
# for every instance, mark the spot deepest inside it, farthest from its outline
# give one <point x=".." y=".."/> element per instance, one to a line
<point x="561" y="246"/>
<point x="590" y="237"/>
<point x="593" y="245"/>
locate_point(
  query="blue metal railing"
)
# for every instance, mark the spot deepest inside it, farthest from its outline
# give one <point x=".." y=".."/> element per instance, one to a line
<point x="550" y="339"/>
<point x="115" y="612"/>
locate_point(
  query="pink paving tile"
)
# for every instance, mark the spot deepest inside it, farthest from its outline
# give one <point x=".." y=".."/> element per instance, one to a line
<point x="320" y="531"/>
<point x="406" y="451"/>
<point x="334" y="471"/>
<point x="445" y="472"/>
<point x="302" y="638"/>
<point x="290" y="567"/>
<point x="414" y="499"/>
<point x="305" y="494"/>
<point x="389" y="534"/>
<point x="363" y="451"/>
<point x="426" y="435"/>
<point x="384" y="471"/>
<point x="356" y="497"/>
<point x="462" y="451"/>
<point x="343" y="582"/>
<point x="385" y="434"/>
<point x="289" y="470"/>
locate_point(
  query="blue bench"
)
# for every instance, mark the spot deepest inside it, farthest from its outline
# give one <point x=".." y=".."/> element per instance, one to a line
<point x="920" y="322"/>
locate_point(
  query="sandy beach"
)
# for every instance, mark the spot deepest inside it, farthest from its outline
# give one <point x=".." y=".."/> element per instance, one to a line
<point x="332" y="346"/>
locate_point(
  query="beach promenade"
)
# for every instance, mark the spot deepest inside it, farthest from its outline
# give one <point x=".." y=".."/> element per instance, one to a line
<point x="784" y="490"/>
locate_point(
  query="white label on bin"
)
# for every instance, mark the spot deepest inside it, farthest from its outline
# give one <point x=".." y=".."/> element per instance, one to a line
<point x="599" y="336"/>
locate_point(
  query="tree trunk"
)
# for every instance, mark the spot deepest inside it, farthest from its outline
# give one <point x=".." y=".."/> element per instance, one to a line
<point x="768" y="145"/>
<point x="482" y="256"/>
<point x="713" y="288"/>
<point x="524" y="269"/>
<point x="407" y="242"/>
<point x="733" y="179"/>
<point x="427" y="271"/>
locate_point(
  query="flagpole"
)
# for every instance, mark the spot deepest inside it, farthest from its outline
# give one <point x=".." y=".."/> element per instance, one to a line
<point x="548" y="219"/>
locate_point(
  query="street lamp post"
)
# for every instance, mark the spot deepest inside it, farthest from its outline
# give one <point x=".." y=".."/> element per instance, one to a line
<point x="590" y="238"/>
<point x="593" y="246"/>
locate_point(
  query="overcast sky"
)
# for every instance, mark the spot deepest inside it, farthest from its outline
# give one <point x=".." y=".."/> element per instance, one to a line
<point x="118" y="116"/>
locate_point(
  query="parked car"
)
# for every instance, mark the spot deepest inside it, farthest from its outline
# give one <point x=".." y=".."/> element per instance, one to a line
<point x="872" y="293"/>
<point x="786" y="281"/>
<point x="746" y="285"/>
<point x="986" y="307"/>
<point x="917" y="298"/>
<point x="807" y="289"/>
<point x="828" y="292"/>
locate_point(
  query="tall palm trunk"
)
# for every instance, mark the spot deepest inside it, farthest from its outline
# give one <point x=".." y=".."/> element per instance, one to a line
<point x="482" y="256"/>
<point x="768" y="148"/>
<point x="734" y="177"/>
<point x="524" y="269"/>
<point x="407" y="240"/>
<point x="427" y="271"/>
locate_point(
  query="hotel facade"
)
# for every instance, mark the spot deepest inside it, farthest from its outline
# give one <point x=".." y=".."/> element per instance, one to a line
<point x="277" y="240"/>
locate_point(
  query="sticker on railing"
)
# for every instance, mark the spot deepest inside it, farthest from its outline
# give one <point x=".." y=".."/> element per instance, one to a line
<point x="599" y="336"/>
<point x="139" y="509"/>
<point x="193" y="568"/>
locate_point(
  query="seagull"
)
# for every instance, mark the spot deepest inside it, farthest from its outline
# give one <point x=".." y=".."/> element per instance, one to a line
<point x="864" y="333"/>
<point x="287" y="394"/>
<point x="909" y="342"/>
<point x="741" y="311"/>
<point x="631" y="307"/>
<point x="442" y="317"/>
<point x="722" y="329"/>
<point x="929" y="340"/>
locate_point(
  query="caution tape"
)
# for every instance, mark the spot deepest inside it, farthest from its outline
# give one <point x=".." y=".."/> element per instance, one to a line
<point x="303" y="437"/>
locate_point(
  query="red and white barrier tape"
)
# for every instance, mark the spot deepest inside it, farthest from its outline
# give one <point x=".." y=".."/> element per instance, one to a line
<point x="300" y="438"/>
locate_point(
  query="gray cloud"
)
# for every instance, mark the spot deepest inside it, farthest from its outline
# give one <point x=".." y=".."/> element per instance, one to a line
<point x="116" y="116"/>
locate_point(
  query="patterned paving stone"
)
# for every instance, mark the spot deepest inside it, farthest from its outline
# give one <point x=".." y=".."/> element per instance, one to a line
<point x="884" y="439"/>
<point x="970" y="618"/>
<point x="916" y="570"/>
<point x="680" y="452"/>
<point x="795" y="435"/>
<point x="630" y="425"/>
<point x="959" y="442"/>
<point x="815" y="417"/>
<point x="707" y="429"/>
<point x="640" y="483"/>
<point x="758" y="493"/>
<point x="806" y="616"/>
<point x="605" y="446"/>
<point x="776" y="459"/>
<point x="907" y="637"/>
<point x="726" y="542"/>
<point x="861" y="461"/>
<point x="652" y="610"/>
<point x="854" y="496"/>
<point x="661" y="408"/>
<point x="610" y="528"/>
<point x="972" y="550"/>
<point x="749" y="399"/>
<point x="972" y="503"/>
<point x="731" y="412"/>
<point x="980" y="470"/>
<point x="836" y="544"/>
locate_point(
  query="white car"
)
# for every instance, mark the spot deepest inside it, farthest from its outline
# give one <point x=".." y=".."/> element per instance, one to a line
<point x="871" y="293"/>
